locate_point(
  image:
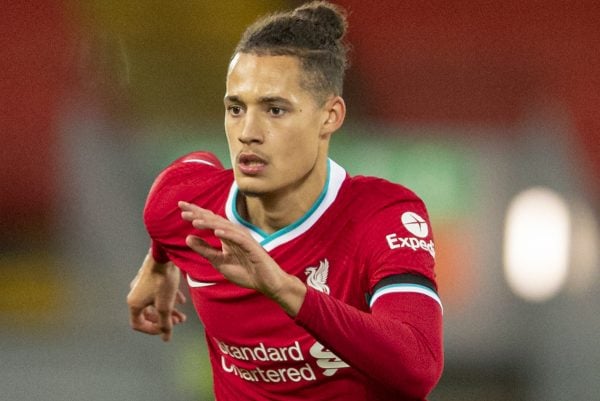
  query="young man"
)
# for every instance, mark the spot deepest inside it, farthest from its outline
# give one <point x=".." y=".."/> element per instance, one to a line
<point x="311" y="284"/>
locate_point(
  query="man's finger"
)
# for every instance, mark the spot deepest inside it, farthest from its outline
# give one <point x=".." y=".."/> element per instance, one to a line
<point x="150" y="314"/>
<point x="191" y="211"/>
<point x="180" y="298"/>
<point x="135" y="315"/>
<point x="139" y="322"/>
<point x="178" y="317"/>
<point x="147" y="328"/>
<point x="213" y="222"/>
<point x="204" y="249"/>
<point x="164" y="310"/>
<point x="238" y="239"/>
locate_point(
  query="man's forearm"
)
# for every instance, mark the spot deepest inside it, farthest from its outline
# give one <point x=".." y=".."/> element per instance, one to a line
<point x="398" y="344"/>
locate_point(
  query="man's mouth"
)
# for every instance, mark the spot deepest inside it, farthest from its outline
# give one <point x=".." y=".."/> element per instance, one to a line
<point x="250" y="163"/>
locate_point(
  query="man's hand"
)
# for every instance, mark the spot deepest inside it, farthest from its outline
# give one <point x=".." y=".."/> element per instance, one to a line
<point x="242" y="260"/>
<point x="151" y="300"/>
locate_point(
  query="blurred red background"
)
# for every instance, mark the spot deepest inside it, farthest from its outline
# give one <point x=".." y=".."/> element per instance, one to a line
<point x="448" y="62"/>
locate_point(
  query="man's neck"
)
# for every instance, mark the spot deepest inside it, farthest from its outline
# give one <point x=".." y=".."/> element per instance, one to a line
<point x="273" y="212"/>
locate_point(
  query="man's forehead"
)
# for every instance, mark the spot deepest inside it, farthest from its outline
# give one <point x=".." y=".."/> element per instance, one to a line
<point x="249" y="60"/>
<point x="263" y="76"/>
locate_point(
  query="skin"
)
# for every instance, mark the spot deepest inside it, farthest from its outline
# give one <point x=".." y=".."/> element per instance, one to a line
<point x="278" y="136"/>
<point x="154" y="291"/>
<point x="268" y="114"/>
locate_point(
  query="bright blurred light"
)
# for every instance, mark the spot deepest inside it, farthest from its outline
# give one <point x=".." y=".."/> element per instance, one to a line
<point x="536" y="244"/>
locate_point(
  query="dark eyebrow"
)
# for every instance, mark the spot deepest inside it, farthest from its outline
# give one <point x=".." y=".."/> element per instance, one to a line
<point x="275" y="99"/>
<point x="232" y="99"/>
<point x="262" y="100"/>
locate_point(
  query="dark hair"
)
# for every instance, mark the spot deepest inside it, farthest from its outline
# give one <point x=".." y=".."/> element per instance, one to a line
<point x="312" y="32"/>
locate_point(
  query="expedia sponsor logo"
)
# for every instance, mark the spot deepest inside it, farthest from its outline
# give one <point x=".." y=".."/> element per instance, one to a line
<point x="415" y="224"/>
<point x="395" y="242"/>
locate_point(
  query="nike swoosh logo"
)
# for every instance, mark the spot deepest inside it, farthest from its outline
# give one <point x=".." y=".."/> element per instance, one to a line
<point x="197" y="284"/>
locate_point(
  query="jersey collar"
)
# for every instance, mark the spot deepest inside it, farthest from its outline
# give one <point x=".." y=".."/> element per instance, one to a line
<point x="335" y="177"/>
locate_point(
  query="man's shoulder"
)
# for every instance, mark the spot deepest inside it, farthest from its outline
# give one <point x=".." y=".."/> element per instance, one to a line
<point x="193" y="164"/>
<point x="187" y="178"/>
<point x="194" y="167"/>
<point x="379" y="191"/>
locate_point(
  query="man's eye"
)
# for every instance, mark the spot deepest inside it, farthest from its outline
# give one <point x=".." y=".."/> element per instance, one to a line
<point x="234" y="110"/>
<point x="276" y="111"/>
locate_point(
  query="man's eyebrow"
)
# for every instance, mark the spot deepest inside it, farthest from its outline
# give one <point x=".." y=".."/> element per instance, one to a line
<point x="274" y="99"/>
<point x="261" y="100"/>
<point x="232" y="99"/>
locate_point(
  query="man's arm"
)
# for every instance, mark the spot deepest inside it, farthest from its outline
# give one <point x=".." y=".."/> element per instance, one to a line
<point x="152" y="298"/>
<point x="398" y="344"/>
<point x="154" y="291"/>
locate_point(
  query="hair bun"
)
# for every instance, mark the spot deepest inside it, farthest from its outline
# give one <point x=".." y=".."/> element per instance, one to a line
<point x="314" y="34"/>
<point x="329" y="19"/>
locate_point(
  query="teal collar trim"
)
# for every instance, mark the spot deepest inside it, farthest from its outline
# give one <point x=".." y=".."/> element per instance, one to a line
<point x="335" y="177"/>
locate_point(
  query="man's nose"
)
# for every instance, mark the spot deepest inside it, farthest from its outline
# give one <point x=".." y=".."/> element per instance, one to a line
<point x="252" y="131"/>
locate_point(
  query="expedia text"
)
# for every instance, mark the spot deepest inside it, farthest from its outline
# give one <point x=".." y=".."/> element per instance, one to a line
<point x="395" y="242"/>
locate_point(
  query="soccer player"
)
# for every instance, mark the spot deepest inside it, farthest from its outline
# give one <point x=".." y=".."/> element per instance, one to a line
<point x="311" y="284"/>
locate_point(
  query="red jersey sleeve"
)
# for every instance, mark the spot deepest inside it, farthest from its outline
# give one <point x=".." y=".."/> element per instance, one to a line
<point x="398" y="343"/>
<point x="158" y="253"/>
<point x="161" y="213"/>
<point x="399" y="240"/>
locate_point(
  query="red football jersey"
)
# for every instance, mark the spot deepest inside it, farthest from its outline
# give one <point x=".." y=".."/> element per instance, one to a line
<point x="360" y="232"/>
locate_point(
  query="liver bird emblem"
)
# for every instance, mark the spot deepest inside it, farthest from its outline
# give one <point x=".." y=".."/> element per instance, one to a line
<point x="317" y="276"/>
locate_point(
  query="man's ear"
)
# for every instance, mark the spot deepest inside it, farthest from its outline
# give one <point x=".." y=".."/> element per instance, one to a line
<point x="334" y="115"/>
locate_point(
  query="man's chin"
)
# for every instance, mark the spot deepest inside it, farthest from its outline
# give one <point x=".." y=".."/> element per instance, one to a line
<point x="250" y="190"/>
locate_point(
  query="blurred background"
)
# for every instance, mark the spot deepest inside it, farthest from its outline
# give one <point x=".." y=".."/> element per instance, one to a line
<point x="488" y="110"/>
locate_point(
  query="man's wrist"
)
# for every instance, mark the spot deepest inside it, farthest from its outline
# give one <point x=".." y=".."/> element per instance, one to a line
<point x="290" y="295"/>
<point x="162" y="268"/>
<point x="151" y="266"/>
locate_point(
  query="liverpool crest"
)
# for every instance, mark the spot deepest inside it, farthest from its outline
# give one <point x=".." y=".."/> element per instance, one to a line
<point x="317" y="276"/>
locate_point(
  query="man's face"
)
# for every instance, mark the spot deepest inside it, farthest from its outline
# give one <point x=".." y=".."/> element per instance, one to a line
<point x="274" y="127"/>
